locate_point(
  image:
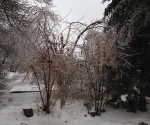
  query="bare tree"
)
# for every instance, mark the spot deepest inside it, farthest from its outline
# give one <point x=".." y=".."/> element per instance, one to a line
<point x="14" y="21"/>
<point x="99" y="52"/>
<point x="46" y="58"/>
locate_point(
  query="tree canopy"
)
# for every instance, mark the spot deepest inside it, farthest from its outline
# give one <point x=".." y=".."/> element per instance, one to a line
<point x="134" y="15"/>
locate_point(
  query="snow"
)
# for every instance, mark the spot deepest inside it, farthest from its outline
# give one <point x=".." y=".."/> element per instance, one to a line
<point x="123" y="97"/>
<point x="10" y="75"/>
<point x="11" y="112"/>
<point x="13" y="74"/>
<point x="29" y="88"/>
<point x="54" y="88"/>
<point x="73" y="114"/>
<point x="26" y="88"/>
<point x="15" y="99"/>
<point x="148" y="98"/>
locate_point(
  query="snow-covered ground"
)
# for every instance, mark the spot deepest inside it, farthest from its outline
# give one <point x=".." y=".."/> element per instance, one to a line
<point x="73" y="114"/>
<point x="15" y="80"/>
<point x="25" y="88"/>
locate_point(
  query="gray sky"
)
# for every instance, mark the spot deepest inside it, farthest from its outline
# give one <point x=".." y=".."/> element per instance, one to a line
<point x="90" y="9"/>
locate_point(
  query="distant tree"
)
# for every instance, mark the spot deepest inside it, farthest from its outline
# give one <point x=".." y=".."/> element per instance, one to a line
<point x="11" y="17"/>
<point x="14" y="22"/>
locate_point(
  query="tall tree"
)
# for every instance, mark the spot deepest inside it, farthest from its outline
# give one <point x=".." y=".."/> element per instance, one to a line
<point x="133" y="17"/>
<point x="15" y="19"/>
<point x="11" y="17"/>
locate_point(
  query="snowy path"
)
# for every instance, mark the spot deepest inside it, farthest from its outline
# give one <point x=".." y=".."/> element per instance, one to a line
<point x="15" y="99"/>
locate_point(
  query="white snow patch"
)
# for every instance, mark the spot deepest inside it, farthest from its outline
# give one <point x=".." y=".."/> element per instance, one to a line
<point x="148" y="98"/>
<point x="123" y="97"/>
<point x="54" y="88"/>
<point x="29" y="88"/>
<point x="10" y="75"/>
<point x="26" y="88"/>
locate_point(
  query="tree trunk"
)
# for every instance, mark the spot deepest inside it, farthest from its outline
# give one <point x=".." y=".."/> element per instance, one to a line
<point x="47" y="103"/>
<point x="142" y="101"/>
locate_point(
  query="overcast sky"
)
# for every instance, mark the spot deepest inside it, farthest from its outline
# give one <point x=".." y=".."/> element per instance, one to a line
<point x="90" y="9"/>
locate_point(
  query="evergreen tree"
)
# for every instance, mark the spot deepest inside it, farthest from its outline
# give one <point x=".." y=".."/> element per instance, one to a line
<point x="133" y="17"/>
